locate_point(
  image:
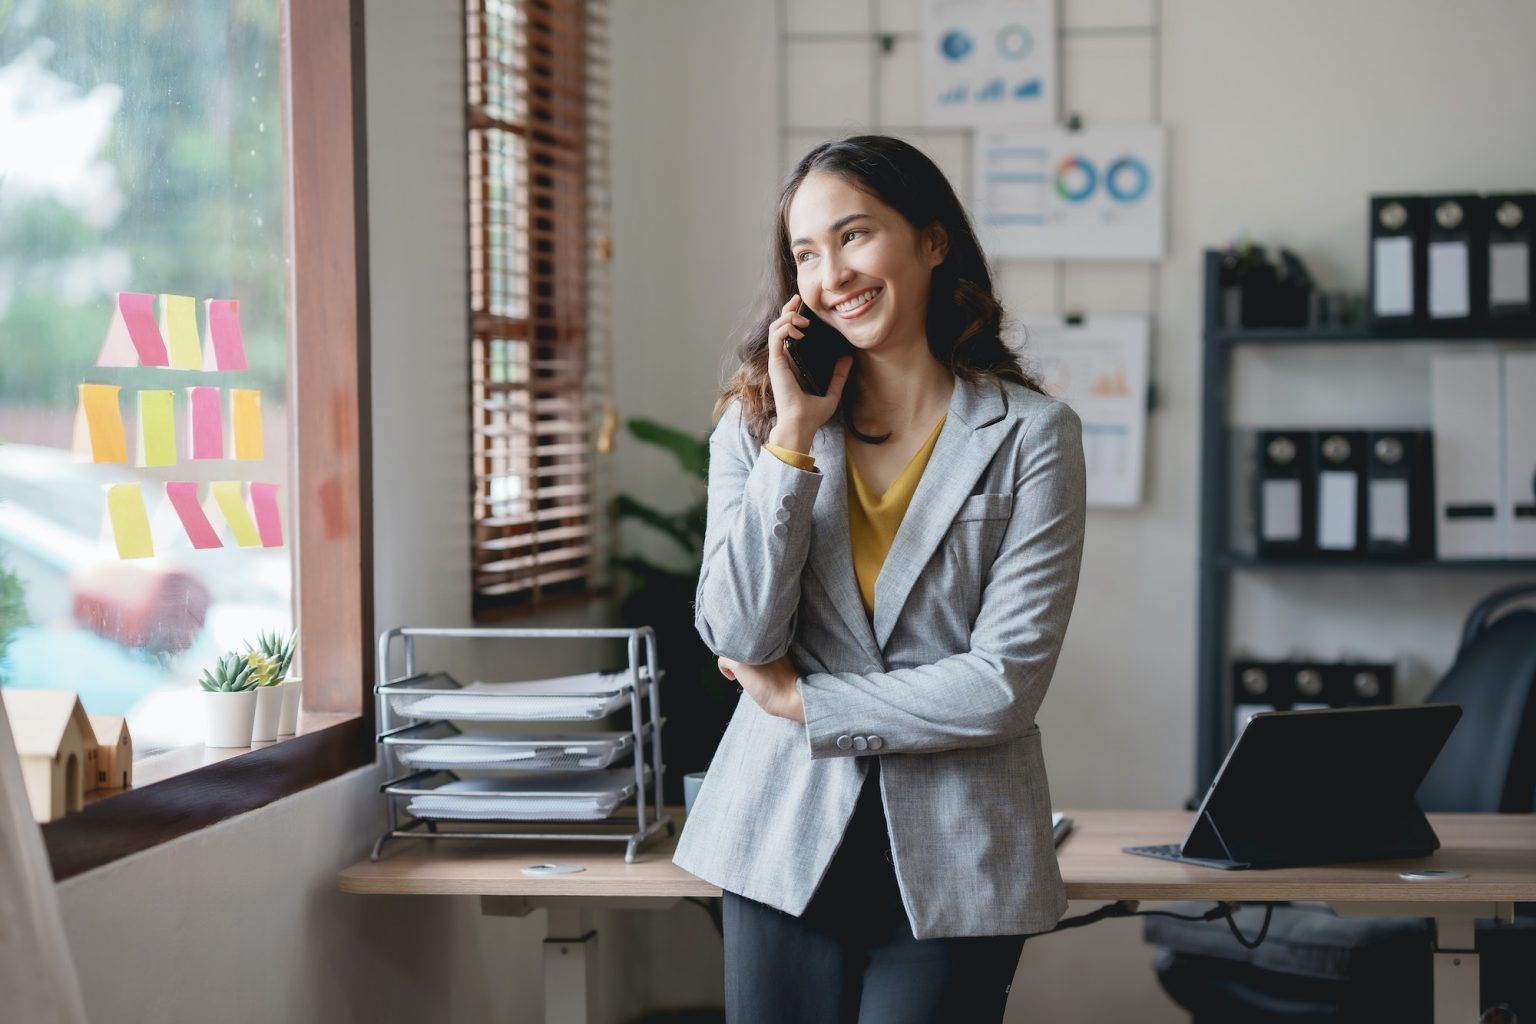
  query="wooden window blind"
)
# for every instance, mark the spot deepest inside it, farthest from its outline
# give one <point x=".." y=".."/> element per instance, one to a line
<point x="538" y="221"/>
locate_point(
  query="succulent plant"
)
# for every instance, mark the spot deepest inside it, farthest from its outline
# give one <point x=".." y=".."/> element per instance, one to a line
<point x="263" y="667"/>
<point x="279" y="649"/>
<point x="232" y="673"/>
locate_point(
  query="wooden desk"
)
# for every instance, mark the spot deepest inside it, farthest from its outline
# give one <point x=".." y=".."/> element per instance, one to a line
<point x="1497" y="852"/>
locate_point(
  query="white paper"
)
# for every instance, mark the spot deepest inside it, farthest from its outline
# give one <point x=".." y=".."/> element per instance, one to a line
<point x="1099" y="368"/>
<point x="1049" y="193"/>
<point x="1389" y="511"/>
<point x="1281" y="517"/>
<point x="1392" y="288"/>
<point x="989" y="63"/>
<point x="561" y="796"/>
<point x="534" y="700"/>
<point x="1509" y="274"/>
<point x="1337" y="497"/>
<point x="1449" y="289"/>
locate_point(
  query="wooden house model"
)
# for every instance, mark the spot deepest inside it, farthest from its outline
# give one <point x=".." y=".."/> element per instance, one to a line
<point x="114" y="751"/>
<point x="62" y="758"/>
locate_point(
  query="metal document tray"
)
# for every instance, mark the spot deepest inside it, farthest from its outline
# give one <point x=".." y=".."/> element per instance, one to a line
<point x="441" y="745"/>
<point x="584" y="697"/>
<point x="535" y="796"/>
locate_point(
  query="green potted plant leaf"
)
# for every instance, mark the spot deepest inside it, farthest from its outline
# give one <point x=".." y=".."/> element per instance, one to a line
<point x="229" y="701"/>
<point x="699" y="700"/>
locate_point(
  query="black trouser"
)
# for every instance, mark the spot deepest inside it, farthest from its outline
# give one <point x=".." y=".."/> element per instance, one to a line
<point x="851" y="956"/>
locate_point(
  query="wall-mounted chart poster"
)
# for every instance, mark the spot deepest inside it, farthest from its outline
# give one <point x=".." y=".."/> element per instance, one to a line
<point x="989" y="63"/>
<point x="1099" y="367"/>
<point x="1050" y="193"/>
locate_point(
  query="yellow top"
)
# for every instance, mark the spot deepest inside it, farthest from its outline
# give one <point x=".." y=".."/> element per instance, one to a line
<point x="872" y="519"/>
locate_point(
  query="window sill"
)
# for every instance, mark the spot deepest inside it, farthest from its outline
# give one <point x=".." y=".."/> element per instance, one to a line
<point x="167" y="764"/>
<point x="191" y="788"/>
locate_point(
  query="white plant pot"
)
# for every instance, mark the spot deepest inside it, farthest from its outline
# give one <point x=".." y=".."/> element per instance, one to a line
<point x="288" y="718"/>
<point x="269" y="701"/>
<point x="228" y="717"/>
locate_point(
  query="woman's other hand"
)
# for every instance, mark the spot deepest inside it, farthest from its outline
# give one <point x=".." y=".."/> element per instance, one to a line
<point x="800" y="414"/>
<point x="771" y="686"/>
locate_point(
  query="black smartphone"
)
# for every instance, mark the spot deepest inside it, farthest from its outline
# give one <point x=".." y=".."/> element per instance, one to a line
<point x="815" y="356"/>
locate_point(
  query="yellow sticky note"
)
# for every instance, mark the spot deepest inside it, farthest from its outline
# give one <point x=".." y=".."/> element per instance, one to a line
<point x="130" y="523"/>
<point x="232" y="504"/>
<point x="178" y="322"/>
<point x="157" y="428"/>
<point x="245" y="421"/>
<point x="105" y="422"/>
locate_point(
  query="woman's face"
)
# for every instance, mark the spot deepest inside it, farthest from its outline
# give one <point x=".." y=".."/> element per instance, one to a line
<point x="859" y="264"/>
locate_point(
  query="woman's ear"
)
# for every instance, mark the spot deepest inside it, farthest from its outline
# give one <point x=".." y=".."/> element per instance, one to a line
<point x="935" y="244"/>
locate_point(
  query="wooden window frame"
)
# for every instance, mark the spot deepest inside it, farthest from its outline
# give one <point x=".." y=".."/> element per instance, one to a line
<point x="324" y="90"/>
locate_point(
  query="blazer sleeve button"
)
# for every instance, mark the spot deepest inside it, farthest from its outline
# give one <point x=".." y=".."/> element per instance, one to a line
<point x="788" y="501"/>
<point x="845" y="743"/>
<point x="875" y="743"/>
<point x="780" y="530"/>
<point x="860" y="743"/>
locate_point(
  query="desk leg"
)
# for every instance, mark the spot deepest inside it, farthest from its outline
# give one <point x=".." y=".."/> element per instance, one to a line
<point x="1457" y="983"/>
<point x="1457" y="993"/>
<point x="570" y="967"/>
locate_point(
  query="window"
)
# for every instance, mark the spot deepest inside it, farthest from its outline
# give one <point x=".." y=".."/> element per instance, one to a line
<point x="161" y="157"/>
<point x="538" y="202"/>
<point x="143" y="154"/>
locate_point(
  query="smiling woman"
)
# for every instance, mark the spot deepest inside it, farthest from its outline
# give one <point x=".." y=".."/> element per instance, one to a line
<point x="188" y="192"/>
<point x="888" y="576"/>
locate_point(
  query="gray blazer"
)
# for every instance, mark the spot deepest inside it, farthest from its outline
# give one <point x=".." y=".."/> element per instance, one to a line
<point x="971" y="606"/>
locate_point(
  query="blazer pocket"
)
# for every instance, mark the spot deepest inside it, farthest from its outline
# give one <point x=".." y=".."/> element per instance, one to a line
<point x="985" y="506"/>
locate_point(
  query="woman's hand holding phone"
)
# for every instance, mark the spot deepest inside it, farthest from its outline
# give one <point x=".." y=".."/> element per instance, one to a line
<point x="800" y="414"/>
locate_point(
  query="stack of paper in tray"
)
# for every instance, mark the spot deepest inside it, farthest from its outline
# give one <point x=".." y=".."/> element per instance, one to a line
<point x="580" y="697"/>
<point x="557" y="796"/>
<point x="483" y="749"/>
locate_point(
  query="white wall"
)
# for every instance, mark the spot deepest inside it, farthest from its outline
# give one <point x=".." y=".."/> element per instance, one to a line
<point x="1283" y="117"/>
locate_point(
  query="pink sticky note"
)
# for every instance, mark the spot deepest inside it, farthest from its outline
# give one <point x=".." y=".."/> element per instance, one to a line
<point x="206" y="410"/>
<point x="133" y="337"/>
<point x="268" y="522"/>
<point x="200" y="531"/>
<point x="226" y="345"/>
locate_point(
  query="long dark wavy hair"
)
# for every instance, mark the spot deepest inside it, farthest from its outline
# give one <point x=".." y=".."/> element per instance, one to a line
<point x="965" y="318"/>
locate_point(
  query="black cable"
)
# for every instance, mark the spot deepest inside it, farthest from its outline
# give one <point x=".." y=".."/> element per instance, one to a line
<point x="1269" y="912"/>
<point x="1129" y="908"/>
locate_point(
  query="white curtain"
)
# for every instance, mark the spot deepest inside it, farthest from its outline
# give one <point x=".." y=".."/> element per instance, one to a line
<point x="37" y="974"/>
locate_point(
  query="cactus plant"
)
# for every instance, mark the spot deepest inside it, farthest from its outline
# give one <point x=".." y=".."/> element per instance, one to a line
<point x="231" y="674"/>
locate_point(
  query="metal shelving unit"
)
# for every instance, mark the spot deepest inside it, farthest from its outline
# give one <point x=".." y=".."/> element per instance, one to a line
<point x="428" y="738"/>
<point x="1218" y="559"/>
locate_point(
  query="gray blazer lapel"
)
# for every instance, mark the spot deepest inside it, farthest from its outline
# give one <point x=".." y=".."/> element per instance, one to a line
<point x="831" y="555"/>
<point x="964" y="449"/>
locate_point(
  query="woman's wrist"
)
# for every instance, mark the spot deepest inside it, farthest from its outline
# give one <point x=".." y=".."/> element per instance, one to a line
<point x="791" y="436"/>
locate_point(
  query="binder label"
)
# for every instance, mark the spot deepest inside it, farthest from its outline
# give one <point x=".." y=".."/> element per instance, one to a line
<point x="1509" y="274"/>
<point x="1394" y="276"/>
<point x="1337" y="494"/>
<point x="1450" y="292"/>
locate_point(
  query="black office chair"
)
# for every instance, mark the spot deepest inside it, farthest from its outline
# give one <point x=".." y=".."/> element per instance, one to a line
<point x="1318" y="967"/>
